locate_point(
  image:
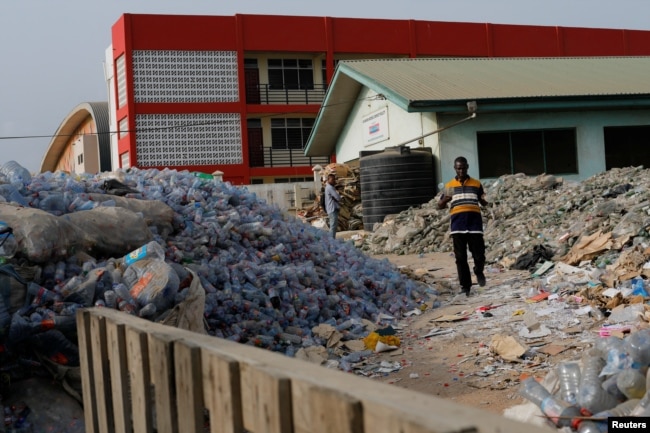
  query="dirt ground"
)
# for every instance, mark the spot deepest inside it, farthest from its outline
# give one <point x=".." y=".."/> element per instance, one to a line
<point x="459" y="365"/>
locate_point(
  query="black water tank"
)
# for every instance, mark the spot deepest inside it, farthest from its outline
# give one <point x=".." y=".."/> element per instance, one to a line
<point x="394" y="180"/>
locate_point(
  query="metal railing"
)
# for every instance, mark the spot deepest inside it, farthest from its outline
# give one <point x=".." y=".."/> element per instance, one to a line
<point x="269" y="157"/>
<point x="265" y="94"/>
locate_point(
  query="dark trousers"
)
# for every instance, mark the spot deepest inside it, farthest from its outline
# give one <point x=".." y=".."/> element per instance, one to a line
<point x="477" y="247"/>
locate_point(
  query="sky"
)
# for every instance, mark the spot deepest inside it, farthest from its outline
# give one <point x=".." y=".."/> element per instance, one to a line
<point x="52" y="52"/>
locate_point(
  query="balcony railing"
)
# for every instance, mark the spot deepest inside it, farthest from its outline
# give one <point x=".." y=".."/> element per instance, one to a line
<point x="265" y="94"/>
<point x="269" y="157"/>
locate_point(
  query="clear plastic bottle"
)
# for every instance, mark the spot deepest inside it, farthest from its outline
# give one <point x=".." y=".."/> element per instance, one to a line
<point x="643" y="408"/>
<point x="558" y="411"/>
<point x="631" y="382"/>
<point x="621" y="409"/>
<point x="569" y="378"/>
<point x="610" y="386"/>
<point x="592" y="397"/>
<point x="638" y="347"/>
<point x="16" y="173"/>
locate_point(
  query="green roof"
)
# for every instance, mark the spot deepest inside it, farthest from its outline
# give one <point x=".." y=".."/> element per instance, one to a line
<point x="497" y="84"/>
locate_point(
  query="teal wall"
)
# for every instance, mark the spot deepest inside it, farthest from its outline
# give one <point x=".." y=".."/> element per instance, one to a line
<point x="460" y="140"/>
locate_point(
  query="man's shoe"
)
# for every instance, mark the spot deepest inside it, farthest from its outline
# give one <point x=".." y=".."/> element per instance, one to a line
<point x="481" y="279"/>
<point x="466" y="292"/>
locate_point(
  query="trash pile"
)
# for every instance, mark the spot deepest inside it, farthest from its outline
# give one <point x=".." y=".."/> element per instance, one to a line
<point x="176" y="246"/>
<point x="523" y="211"/>
<point x="348" y="185"/>
<point x="611" y="380"/>
<point x="544" y="217"/>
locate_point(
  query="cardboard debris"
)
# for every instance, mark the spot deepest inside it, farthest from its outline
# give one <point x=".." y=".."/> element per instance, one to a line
<point x="328" y="333"/>
<point x="588" y="247"/>
<point x="507" y="347"/>
<point x="315" y="354"/>
<point x="452" y="317"/>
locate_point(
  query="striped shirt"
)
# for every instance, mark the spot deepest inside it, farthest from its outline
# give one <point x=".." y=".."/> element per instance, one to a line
<point x="464" y="206"/>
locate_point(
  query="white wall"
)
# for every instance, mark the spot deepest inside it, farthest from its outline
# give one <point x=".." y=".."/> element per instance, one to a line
<point x="461" y="140"/>
<point x="110" y="91"/>
<point x="402" y="127"/>
<point x="282" y="194"/>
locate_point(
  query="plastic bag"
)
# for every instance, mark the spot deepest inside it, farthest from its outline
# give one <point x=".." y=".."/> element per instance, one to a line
<point x="152" y="281"/>
<point x="188" y="314"/>
<point x="41" y="237"/>
<point x="111" y="231"/>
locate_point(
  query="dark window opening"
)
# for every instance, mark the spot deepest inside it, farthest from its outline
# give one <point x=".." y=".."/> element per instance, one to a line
<point x="290" y="74"/>
<point x="532" y="152"/>
<point x="627" y="146"/>
<point x="290" y="133"/>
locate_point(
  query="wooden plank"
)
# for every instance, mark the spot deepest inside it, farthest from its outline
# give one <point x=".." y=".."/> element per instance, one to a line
<point x="161" y="364"/>
<point x="86" y="367"/>
<point x="266" y="399"/>
<point x="101" y="374"/>
<point x="119" y="376"/>
<point x="139" y="378"/>
<point x="333" y="411"/>
<point x="189" y="389"/>
<point x="222" y="392"/>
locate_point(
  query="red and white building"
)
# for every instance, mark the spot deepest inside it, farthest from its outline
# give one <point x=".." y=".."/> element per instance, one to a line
<point x="239" y="94"/>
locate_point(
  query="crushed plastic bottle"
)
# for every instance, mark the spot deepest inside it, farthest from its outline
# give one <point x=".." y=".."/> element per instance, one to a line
<point x="561" y="413"/>
<point x="637" y="345"/>
<point x="631" y="382"/>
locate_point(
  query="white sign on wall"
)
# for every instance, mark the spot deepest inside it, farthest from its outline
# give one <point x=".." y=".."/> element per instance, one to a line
<point x="375" y="127"/>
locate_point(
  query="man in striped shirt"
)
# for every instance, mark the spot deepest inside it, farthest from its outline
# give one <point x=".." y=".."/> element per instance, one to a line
<point x="465" y="194"/>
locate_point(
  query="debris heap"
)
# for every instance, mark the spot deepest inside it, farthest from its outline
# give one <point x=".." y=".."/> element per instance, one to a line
<point x="596" y="219"/>
<point x="348" y="186"/>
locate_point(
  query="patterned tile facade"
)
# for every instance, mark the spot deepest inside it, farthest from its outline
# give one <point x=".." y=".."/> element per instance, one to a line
<point x="185" y="76"/>
<point x="188" y="139"/>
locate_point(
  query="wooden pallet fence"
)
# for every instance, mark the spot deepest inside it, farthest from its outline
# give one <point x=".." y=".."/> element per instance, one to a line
<point x="139" y="376"/>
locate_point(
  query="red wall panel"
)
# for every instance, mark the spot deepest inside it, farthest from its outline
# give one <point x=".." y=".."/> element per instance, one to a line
<point x="351" y="35"/>
<point x="524" y="41"/>
<point x="592" y="42"/>
<point x="434" y="38"/>
<point x="183" y="32"/>
<point x="637" y="42"/>
<point x="283" y="33"/>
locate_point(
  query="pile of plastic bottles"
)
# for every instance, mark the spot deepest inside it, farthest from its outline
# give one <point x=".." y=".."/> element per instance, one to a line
<point x="612" y="380"/>
<point x="269" y="278"/>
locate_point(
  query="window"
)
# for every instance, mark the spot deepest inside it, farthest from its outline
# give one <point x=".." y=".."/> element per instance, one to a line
<point x="532" y="152"/>
<point x="627" y="146"/>
<point x="124" y="127"/>
<point x="120" y="69"/>
<point x="291" y="74"/>
<point x="290" y="133"/>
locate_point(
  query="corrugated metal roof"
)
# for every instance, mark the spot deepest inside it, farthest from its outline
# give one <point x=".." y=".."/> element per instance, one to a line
<point x="497" y="84"/>
<point x="450" y="79"/>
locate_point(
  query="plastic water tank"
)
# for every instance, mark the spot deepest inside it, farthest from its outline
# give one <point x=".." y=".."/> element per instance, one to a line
<point x="394" y="180"/>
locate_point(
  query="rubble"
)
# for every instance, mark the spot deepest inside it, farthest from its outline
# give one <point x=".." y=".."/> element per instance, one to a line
<point x="603" y="219"/>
